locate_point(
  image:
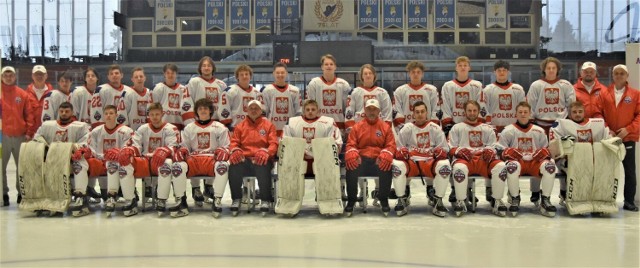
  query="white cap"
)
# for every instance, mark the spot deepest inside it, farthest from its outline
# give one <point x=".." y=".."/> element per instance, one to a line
<point x="8" y="69"/>
<point x="372" y="102"/>
<point x="257" y="102"/>
<point x="621" y="66"/>
<point x="588" y="65"/>
<point x="39" y="68"/>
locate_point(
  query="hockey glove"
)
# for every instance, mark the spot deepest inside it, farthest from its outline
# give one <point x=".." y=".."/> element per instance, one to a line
<point x="221" y="154"/>
<point x="542" y="154"/>
<point x="159" y="156"/>
<point x="439" y="154"/>
<point x="353" y="159"/>
<point x="125" y="156"/>
<point x="403" y="154"/>
<point x="488" y="154"/>
<point x="463" y="153"/>
<point x="261" y="157"/>
<point x="237" y="156"/>
<point x="385" y="159"/>
<point x="511" y="154"/>
<point x="111" y="154"/>
<point x="180" y="153"/>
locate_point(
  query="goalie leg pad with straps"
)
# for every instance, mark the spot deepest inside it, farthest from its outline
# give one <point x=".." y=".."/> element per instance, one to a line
<point x="606" y="179"/>
<point x="57" y="181"/>
<point x="31" y="175"/>
<point x="580" y="179"/>
<point x="326" y="167"/>
<point x="291" y="168"/>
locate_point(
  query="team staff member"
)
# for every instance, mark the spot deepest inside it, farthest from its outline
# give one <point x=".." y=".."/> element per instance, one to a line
<point x="588" y="88"/>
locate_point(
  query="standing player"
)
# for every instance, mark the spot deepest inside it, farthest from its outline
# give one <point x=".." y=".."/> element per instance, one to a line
<point x="234" y="103"/>
<point x="523" y="147"/>
<point x="107" y="94"/>
<point x="281" y="100"/>
<point x="132" y="109"/>
<point x="329" y="91"/>
<point x="471" y="147"/>
<point x="457" y="92"/>
<point x="359" y="96"/>
<point x="151" y="152"/>
<point x="204" y="151"/>
<point x="38" y="89"/>
<point x="104" y="144"/>
<point x="550" y="96"/>
<point x="407" y="95"/>
<point x="422" y="151"/>
<point x="175" y="98"/>
<point x="588" y="88"/>
<point x="501" y="98"/>
<point x="81" y="95"/>
<point x="54" y="98"/>
<point x="207" y="85"/>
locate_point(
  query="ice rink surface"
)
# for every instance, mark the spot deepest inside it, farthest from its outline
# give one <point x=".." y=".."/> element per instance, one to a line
<point x="418" y="239"/>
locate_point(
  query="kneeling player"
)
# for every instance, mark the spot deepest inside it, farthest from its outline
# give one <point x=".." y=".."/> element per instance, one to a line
<point x="422" y="152"/>
<point x="524" y="150"/>
<point x="203" y="152"/>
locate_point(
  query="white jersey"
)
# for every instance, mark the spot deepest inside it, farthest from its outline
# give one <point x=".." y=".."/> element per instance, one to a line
<point x="500" y="103"/>
<point x="331" y="97"/>
<point x="212" y="89"/>
<point x="406" y="95"/>
<point x="550" y="100"/>
<point x="81" y="101"/>
<point x="205" y="139"/>
<point x="104" y="95"/>
<point x="591" y="130"/>
<point x="102" y="139"/>
<point x="53" y="131"/>
<point x="147" y="138"/>
<point x="354" y="112"/>
<point x="422" y="138"/>
<point x="281" y="104"/>
<point x="176" y="102"/>
<point x="132" y="109"/>
<point x="454" y="96"/>
<point x="527" y="141"/>
<point x="321" y="127"/>
<point x="52" y="101"/>
<point x="233" y="104"/>
<point x="473" y="136"/>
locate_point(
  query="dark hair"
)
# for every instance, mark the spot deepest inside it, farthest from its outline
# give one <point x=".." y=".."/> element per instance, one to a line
<point x="110" y="107"/>
<point x="420" y="103"/>
<point x="202" y="60"/>
<point x="114" y="67"/>
<point x="501" y="64"/>
<point x="523" y="104"/>
<point x="155" y="106"/>
<point x="204" y="102"/>
<point x="64" y="75"/>
<point x="279" y="64"/>
<point x="135" y="69"/>
<point x="170" y="66"/>
<point x="84" y="75"/>
<point x="66" y="105"/>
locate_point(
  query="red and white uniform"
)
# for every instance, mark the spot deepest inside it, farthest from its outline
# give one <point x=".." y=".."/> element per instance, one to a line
<point x="132" y="109"/>
<point x="591" y="130"/>
<point x="251" y="136"/>
<point x="500" y="103"/>
<point x="331" y="97"/>
<point x="321" y="127"/>
<point x="280" y="104"/>
<point x="354" y="112"/>
<point x="550" y="100"/>
<point x="406" y="95"/>
<point x="52" y="101"/>
<point x="104" y="95"/>
<point x="81" y="101"/>
<point x="454" y="95"/>
<point x="210" y="89"/>
<point x="176" y="102"/>
<point x="233" y="104"/>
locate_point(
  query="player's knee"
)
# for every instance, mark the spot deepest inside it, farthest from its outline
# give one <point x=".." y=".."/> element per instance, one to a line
<point x="512" y="167"/>
<point x="177" y="169"/>
<point x="164" y="170"/>
<point x="122" y="172"/>
<point x="112" y="168"/>
<point x="549" y="168"/>
<point x="221" y="168"/>
<point x="443" y="168"/>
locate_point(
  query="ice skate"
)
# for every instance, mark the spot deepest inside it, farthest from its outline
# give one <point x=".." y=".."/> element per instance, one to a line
<point x="499" y="209"/>
<point x="130" y="208"/>
<point x="265" y="207"/>
<point x="348" y="210"/>
<point x="93" y="196"/>
<point x="198" y="198"/>
<point x="181" y="209"/>
<point x="80" y="207"/>
<point x="110" y="204"/>
<point x="216" y="207"/>
<point x="452" y="195"/>
<point x="208" y="194"/>
<point x="563" y="197"/>
<point x="385" y="210"/>
<point x="459" y="208"/>
<point x="535" y="198"/>
<point x="235" y="207"/>
<point x="401" y="207"/>
<point x="431" y="195"/>
<point x="488" y="196"/>
<point x="514" y="205"/>
<point x="374" y="195"/>
<point x="161" y="206"/>
<point x="546" y="208"/>
<point x="439" y="209"/>
<point x="148" y="195"/>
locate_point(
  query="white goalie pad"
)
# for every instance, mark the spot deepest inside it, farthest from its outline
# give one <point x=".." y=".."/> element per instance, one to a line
<point x="57" y="178"/>
<point x="326" y="168"/>
<point x="606" y="177"/>
<point x="291" y="169"/>
<point x="580" y="179"/>
<point x="31" y="176"/>
<point x="559" y="148"/>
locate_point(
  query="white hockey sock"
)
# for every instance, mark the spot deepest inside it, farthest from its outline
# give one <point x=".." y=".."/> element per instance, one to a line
<point x="497" y="183"/>
<point x="164" y="184"/>
<point x="221" y="179"/>
<point x="400" y="182"/>
<point x="460" y="180"/>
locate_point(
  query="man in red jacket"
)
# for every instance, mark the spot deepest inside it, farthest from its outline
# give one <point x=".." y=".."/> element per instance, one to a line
<point x="16" y="105"/>
<point x="38" y="90"/>
<point x="254" y="143"/>
<point x="588" y="88"/>
<point x="619" y="105"/>
<point x="370" y="150"/>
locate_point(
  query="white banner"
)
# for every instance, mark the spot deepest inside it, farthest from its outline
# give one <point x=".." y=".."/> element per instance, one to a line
<point x="165" y="15"/>
<point x="496" y="14"/>
<point x="328" y="15"/>
<point x="633" y="65"/>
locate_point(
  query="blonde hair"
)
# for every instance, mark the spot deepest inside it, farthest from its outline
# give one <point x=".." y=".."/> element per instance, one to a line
<point x="371" y="68"/>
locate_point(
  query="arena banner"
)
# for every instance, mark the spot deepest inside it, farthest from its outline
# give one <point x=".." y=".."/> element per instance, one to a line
<point x="328" y="15"/>
<point x="240" y="14"/>
<point x="165" y="15"/>
<point x="368" y="14"/>
<point x="496" y="14"/>
<point x="445" y="14"/>
<point x="417" y="14"/>
<point x="265" y="11"/>
<point x="289" y="11"/>
<point x="392" y="13"/>
<point x="215" y="14"/>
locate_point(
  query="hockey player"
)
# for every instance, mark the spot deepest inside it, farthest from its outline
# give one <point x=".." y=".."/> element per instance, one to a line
<point x="235" y="99"/>
<point x="101" y="151"/>
<point x="152" y="152"/>
<point x="82" y="95"/>
<point x="471" y="148"/>
<point x="207" y="85"/>
<point x="422" y="151"/>
<point x="457" y="92"/>
<point x="523" y="147"/>
<point x="329" y="91"/>
<point x="107" y="94"/>
<point x="253" y="146"/>
<point x="281" y="100"/>
<point x="501" y="98"/>
<point x="54" y="98"/>
<point x="132" y="109"/>
<point x="359" y="95"/>
<point x="204" y="151"/>
<point x="38" y="89"/>
<point x="370" y="150"/>
<point x="175" y="98"/>
<point x="405" y="96"/>
<point x="65" y="129"/>
<point x="588" y="88"/>
<point x="550" y="96"/>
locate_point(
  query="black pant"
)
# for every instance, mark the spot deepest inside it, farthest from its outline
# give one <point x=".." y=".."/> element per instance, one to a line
<point x="245" y="169"/>
<point x="368" y="167"/>
<point x="629" y="164"/>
